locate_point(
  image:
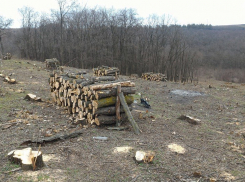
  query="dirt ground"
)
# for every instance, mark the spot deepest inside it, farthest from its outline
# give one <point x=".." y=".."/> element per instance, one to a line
<point x="214" y="150"/>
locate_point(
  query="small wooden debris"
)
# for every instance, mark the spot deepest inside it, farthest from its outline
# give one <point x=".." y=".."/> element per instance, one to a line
<point x="9" y="80"/>
<point x="33" y="97"/>
<point x="190" y="119"/>
<point x="26" y="158"/>
<point x="146" y="157"/>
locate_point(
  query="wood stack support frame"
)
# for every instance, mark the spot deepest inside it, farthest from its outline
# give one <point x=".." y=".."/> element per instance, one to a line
<point x="154" y="76"/>
<point x="91" y="100"/>
<point x="106" y="71"/>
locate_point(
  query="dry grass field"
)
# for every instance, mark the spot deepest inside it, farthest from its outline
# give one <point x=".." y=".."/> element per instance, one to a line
<point x="213" y="150"/>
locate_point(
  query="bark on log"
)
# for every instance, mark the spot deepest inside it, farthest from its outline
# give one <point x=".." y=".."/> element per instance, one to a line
<point x="27" y="158"/>
<point x="109" y="101"/>
<point x="113" y="92"/>
<point x="105" y="78"/>
<point x="53" y="138"/>
<point x="128" y="113"/>
<point x="110" y="85"/>
<point x="111" y="110"/>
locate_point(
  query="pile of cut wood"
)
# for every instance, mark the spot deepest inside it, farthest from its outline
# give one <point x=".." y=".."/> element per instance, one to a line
<point x="154" y="76"/>
<point x="52" y="63"/>
<point x="106" y="71"/>
<point x="7" y="56"/>
<point x="88" y="99"/>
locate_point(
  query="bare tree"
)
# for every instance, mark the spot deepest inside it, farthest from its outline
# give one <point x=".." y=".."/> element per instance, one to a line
<point x="4" y="25"/>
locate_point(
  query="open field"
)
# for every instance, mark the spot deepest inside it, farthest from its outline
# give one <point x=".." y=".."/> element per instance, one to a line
<point x="214" y="149"/>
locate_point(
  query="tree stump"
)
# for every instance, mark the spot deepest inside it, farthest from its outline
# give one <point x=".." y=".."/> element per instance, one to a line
<point x="27" y="158"/>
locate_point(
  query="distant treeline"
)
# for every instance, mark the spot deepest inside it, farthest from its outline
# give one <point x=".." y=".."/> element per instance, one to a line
<point x="86" y="38"/>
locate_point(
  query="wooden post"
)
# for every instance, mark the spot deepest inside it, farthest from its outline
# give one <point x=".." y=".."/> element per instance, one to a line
<point x="128" y="113"/>
<point x="118" y="121"/>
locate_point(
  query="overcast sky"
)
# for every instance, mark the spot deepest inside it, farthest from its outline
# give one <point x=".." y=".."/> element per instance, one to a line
<point x="215" y="12"/>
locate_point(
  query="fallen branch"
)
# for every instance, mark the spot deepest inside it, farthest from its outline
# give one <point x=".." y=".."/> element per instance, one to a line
<point x="53" y="138"/>
<point x="190" y="119"/>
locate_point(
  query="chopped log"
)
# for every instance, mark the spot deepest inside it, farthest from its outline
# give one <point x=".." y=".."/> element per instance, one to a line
<point x="113" y="92"/>
<point x="33" y="97"/>
<point x="109" y="101"/>
<point x="110" y="85"/>
<point x="128" y="113"/>
<point x="53" y="138"/>
<point x="9" y="80"/>
<point x="146" y="157"/>
<point x="27" y="158"/>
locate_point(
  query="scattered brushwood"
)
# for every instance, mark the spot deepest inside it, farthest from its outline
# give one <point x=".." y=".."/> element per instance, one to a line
<point x="106" y="71"/>
<point x="154" y="76"/>
<point x="52" y="63"/>
<point x="91" y="100"/>
<point x="8" y="56"/>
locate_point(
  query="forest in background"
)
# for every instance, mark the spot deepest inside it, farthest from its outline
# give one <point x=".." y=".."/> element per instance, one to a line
<point x="86" y="38"/>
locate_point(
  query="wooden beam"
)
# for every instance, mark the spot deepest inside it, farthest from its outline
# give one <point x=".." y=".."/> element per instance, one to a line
<point x="128" y="113"/>
<point x="118" y="121"/>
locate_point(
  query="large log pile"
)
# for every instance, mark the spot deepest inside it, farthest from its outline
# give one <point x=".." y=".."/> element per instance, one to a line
<point x="90" y="100"/>
<point x="106" y="71"/>
<point x="154" y="76"/>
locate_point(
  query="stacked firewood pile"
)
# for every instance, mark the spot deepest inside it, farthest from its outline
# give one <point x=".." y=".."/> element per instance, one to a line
<point x="7" y="56"/>
<point x="90" y="100"/>
<point x="154" y="76"/>
<point x="106" y="71"/>
<point x="52" y="63"/>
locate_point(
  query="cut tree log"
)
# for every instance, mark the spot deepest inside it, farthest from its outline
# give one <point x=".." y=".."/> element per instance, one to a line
<point x="146" y="157"/>
<point x="110" y="110"/>
<point x="128" y="113"/>
<point x="109" y="101"/>
<point x="105" y="78"/>
<point x="110" y="85"/>
<point x="33" y="97"/>
<point x="113" y="92"/>
<point x="26" y="158"/>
